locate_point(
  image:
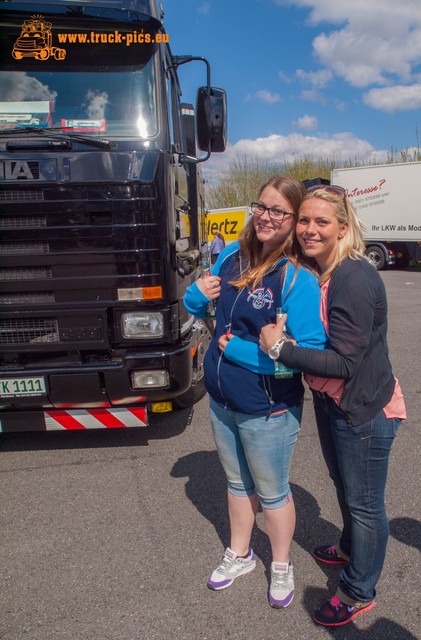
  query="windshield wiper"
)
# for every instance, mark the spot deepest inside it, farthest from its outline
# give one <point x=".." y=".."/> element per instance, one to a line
<point x="58" y="134"/>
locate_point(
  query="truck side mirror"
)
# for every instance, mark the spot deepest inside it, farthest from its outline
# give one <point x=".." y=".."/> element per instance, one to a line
<point x="211" y="119"/>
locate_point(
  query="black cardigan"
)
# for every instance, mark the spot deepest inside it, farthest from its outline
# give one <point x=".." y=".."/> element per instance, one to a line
<point x="358" y="352"/>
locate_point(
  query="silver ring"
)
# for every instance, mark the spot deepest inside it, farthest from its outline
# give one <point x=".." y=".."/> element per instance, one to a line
<point x="215" y="284"/>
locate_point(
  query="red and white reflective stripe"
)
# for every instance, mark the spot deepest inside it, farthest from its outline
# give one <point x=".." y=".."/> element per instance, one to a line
<point x="95" y="418"/>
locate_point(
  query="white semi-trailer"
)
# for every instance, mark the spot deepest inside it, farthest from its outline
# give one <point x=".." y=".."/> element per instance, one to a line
<point x="387" y="200"/>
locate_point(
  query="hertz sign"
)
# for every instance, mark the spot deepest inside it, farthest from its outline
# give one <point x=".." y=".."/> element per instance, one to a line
<point x="228" y="221"/>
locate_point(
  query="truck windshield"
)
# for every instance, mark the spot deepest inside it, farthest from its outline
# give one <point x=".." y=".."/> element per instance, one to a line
<point x="118" y="103"/>
<point x="77" y="72"/>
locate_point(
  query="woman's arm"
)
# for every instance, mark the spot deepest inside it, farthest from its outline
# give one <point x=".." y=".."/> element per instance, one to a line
<point x="352" y="302"/>
<point x="202" y="291"/>
<point x="302" y="302"/>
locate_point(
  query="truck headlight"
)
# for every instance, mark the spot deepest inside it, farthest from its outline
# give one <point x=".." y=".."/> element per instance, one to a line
<point x="150" y="379"/>
<point x="142" y="324"/>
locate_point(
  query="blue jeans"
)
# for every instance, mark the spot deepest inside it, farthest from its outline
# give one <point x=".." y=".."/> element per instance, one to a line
<point x="357" y="458"/>
<point x="256" y="451"/>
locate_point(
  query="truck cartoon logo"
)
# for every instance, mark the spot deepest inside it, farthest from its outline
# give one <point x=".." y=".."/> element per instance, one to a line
<point x="35" y="41"/>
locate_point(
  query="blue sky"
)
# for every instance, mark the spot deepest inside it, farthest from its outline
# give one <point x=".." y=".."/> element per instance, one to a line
<point x="327" y="78"/>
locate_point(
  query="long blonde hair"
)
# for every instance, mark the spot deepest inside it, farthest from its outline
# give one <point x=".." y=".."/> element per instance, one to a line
<point x="351" y="245"/>
<point x="253" y="266"/>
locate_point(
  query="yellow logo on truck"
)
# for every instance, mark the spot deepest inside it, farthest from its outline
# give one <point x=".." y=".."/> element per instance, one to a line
<point x="228" y="221"/>
<point x="35" y="41"/>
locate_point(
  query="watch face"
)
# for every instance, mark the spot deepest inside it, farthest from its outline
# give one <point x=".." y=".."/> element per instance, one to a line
<point x="274" y="351"/>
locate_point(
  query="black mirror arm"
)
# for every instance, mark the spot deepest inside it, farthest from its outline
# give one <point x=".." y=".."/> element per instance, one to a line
<point x="177" y="62"/>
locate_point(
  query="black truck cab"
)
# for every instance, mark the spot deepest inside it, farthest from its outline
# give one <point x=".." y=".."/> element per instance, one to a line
<point x="102" y="216"/>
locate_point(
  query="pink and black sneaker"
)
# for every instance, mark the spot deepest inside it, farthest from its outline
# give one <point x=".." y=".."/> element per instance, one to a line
<point x="335" y="613"/>
<point x="328" y="555"/>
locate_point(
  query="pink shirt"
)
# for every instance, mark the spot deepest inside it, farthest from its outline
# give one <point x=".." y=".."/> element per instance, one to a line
<point x="334" y="386"/>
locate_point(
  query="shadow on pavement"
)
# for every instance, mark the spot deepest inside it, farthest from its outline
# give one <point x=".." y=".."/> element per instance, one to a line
<point x="206" y="489"/>
<point x="406" y="530"/>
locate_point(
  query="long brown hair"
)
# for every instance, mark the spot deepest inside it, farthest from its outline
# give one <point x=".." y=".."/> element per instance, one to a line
<point x="253" y="266"/>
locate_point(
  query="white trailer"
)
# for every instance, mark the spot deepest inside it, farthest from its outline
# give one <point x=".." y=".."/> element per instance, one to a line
<point x="387" y="200"/>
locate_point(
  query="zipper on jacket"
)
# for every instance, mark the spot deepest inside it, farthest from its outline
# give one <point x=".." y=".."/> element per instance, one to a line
<point x="229" y="325"/>
<point x="218" y="376"/>
<point x="268" y="393"/>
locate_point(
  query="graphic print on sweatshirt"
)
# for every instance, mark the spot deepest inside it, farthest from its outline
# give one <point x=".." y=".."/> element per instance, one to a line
<point x="261" y="297"/>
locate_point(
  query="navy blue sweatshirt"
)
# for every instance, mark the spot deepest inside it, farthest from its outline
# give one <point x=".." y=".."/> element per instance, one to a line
<point x="243" y="378"/>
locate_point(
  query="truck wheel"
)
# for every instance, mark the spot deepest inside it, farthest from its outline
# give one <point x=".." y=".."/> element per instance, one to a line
<point x="376" y="256"/>
<point x="59" y="54"/>
<point x="43" y="54"/>
<point x="202" y="334"/>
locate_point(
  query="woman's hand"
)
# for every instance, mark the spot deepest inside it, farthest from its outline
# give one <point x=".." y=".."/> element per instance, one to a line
<point x="210" y="286"/>
<point x="223" y="340"/>
<point x="271" y="333"/>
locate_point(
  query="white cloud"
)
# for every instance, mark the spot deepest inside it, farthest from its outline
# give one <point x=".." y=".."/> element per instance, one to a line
<point x="397" y="98"/>
<point x="284" y="77"/>
<point x="17" y="87"/>
<point x="340" y="105"/>
<point x="265" y="96"/>
<point x="318" y="79"/>
<point x="279" y="149"/>
<point x="95" y="104"/>
<point x="307" y="123"/>
<point x="368" y="42"/>
<point x="312" y="95"/>
<point x="204" y="8"/>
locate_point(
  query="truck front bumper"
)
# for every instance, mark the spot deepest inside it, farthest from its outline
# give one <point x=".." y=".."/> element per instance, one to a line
<point x="91" y="396"/>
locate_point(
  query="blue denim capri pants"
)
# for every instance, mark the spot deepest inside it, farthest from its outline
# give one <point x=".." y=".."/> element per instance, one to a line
<point x="256" y="451"/>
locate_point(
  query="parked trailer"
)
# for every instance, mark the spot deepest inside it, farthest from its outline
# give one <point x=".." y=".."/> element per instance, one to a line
<point x="387" y="201"/>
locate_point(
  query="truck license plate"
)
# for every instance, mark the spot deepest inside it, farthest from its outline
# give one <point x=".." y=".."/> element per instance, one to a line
<point x="17" y="387"/>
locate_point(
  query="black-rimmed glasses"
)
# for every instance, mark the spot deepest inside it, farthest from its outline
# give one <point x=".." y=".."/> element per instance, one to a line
<point x="275" y="213"/>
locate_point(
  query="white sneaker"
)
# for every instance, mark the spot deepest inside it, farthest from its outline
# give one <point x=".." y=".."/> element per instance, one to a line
<point x="281" y="590"/>
<point x="230" y="568"/>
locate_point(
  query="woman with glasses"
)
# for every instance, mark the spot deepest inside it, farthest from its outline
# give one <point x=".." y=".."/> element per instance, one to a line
<point x="358" y="402"/>
<point x="255" y="410"/>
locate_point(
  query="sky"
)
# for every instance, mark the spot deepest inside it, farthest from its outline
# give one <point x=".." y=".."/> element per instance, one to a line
<point x="323" y="78"/>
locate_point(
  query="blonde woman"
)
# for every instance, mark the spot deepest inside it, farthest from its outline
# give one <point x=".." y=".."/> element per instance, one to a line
<point x="358" y="402"/>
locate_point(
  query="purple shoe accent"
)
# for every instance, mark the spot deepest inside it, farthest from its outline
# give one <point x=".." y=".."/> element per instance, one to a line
<point x="280" y="604"/>
<point x="230" y="568"/>
<point x="215" y="586"/>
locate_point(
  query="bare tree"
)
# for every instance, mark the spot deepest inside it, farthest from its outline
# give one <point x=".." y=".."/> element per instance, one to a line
<point x="241" y="184"/>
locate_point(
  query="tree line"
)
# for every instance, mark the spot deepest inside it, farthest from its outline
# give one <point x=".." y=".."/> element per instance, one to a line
<point x="240" y="183"/>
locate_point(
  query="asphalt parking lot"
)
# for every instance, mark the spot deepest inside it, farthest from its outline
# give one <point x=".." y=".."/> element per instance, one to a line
<point x="111" y="535"/>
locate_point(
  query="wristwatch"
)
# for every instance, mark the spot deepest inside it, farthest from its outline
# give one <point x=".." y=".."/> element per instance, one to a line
<point x="274" y="351"/>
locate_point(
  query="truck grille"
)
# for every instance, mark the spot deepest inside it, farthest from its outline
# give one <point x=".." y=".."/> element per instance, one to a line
<point x="25" y="273"/>
<point x="69" y="256"/>
<point x="28" y="331"/>
<point x="46" y="297"/>
<point x="21" y="195"/>
<point x="23" y="222"/>
<point x="24" y="248"/>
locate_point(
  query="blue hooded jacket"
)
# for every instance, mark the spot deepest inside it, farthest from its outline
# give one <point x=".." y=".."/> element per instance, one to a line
<point x="242" y="378"/>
